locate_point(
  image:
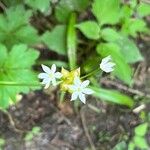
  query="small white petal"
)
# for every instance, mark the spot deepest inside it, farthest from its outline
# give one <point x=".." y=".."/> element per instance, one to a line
<point x="46" y="69"/>
<point x="47" y="85"/>
<point x="54" y="82"/>
<point x="85" y="83"/>
<point x="106" y="69"/>
<point x="74" y="96"/>
<point x="77" y="81"/>
<point x="53" y="68"/>
<point x="58" y="75"/>
<point x="106" y="59"/>
<point x="46" y="80"/>
<point x="43" y="75"/>
<point x="73" y="88"/>
<point x="107" y="66"/>
<point x="82" y="97"/>
<point x="88" y="91"/>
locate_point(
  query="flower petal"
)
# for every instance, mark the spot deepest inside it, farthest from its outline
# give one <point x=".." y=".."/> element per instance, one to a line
<point x="73" y="88"/>
<point x="53" y="68"/>
<point x="88" y="91"/>
<point x="47" y="85"/>
<point x="46" y="69"/>
<point x="43" y="75"/>
<point x="85" y="83"/>
<point x="82" y="97"/>
<point x="107" y="69"/>
<point x="110" y="64"/>
<point x="58" y="75"/>
<point x="77" y="81"/>
<point x="74" y="96"/>
<point x="54" y="82"/>
<point x="106" y="59"/>
<point x="46" y="80"/>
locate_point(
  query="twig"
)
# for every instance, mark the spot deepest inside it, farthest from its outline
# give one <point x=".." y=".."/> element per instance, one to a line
<point x="145" y="1"/>
<point x="125" y="88"/>
<point x="12" y="122"/>
<point x="86" y="130"/>
<point x="2" y="5"/>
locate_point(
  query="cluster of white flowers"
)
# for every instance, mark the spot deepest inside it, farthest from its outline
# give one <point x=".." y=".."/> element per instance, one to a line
<point x="78" y="88"/>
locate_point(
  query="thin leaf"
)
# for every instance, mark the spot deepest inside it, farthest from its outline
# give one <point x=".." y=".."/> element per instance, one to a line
<point x="112" y="96"/>
<point x="72" y="41"/>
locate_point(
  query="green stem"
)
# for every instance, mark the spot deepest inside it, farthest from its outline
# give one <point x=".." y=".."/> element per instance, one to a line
<point x="9" y="83"/>
<point x="91" y="73"/>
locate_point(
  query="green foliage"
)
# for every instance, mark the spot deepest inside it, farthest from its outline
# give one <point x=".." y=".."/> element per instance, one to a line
<point x="12" y="2"/>
<point x="134" y="26"/>
<point x="143" y="9"/>
<point x="15" y="27"/>
<point x="112" y="96"/>
<point x="31" y="134"/>
<point x="141" y="129"/>
<point x="129" y="50"/>
<point x="106" y="11"/>
<point x="65" y="8"/>
<point x="15" y="68"/>
<point x="2" y="143"/>
<point x="55" y="40"/>
<point x="139" y="138"/>
<point x="41" y="5"/>
<point x="120" y="146"/>
<point x="90" y="29"/>
<point x="140" y="142"/>
<point x="110" y="35"/>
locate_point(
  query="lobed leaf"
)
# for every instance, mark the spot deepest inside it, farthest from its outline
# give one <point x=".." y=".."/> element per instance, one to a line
<point x="56" y="39"/>
<point x="106" y="11"/>
<point x="16" y="68"/>
<point x="90" y="29"/>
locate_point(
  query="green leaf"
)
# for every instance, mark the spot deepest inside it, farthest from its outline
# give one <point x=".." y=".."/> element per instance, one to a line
<point x="41" y="5"/>
<point x="140" y="142"/>
<point x="55" y="40"/>
<point x="90" y="29"/>
<point x="15" y="29"/>
<point x="36" y="130"/>
<point x="141" y="129"/>
<point x="106" y="11"/>
<point x="120" y="146"/>
<point x="17" y="68"/>
<point x="64" y="8"/>
<point x="131" y="146"/>
<point x="143" y="9"/>
<point x="110" y="35"/>
<point x="129" y="50"/>
<point x="126" y="12"/>
<point x="29" y="136"/>
<point x="72" y="41"/>
<point x="3" y="55"/>
<point x="134" y="26"/>
<point x="122" y="69"/>
<point x="112" y="96"/>
<point x="2" y="142"/>
<point x="9" y="3"/>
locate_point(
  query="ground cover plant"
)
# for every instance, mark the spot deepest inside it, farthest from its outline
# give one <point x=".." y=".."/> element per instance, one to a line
<point x="66" y="60"/>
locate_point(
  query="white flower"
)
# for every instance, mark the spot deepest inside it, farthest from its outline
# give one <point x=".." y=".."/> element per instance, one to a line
<point x="107" y="65"/>
<point x="79" y="89"/>
<point x="49" y="75"/>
